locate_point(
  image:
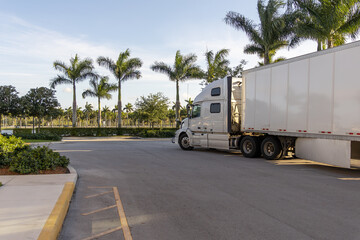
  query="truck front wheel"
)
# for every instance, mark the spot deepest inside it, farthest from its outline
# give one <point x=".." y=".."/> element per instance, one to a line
<point x="271" y="148"/>
<point x="249" y="147"/>
<point x="184" y="142"/>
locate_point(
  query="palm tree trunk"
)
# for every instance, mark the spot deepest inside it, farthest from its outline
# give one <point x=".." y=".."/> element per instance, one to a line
<point x="177" y="105"/>
<point x="266" y="58"/>
<point x="74" y="106"/>
<point x="99" y="113"/>
<point x="0" y="121"/>
<point x="33" y="124"/>
<point x="119" y="105"/>
<point x="330" y="43"/>
<point x="319" y="45"/>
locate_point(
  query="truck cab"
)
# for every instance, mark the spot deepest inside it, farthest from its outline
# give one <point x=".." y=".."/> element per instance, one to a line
<point x="214" y="116"/>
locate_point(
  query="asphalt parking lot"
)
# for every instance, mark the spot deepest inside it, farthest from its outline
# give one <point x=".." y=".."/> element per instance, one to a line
<point x="168" y="193"/>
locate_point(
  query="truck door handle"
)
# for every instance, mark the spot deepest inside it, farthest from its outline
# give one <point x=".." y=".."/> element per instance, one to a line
<point x="199" y="127"/>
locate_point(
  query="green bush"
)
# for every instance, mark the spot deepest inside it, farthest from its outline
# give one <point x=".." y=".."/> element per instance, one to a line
<point x="22" y="158"/>
<point x="32" y="160"/>
<point x="10" y="144"/>
<point x="97" y="132"/>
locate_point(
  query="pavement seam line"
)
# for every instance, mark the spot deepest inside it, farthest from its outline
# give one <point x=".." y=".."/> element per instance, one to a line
<point x="55" y="220"/>
<point x="123" y="220"/>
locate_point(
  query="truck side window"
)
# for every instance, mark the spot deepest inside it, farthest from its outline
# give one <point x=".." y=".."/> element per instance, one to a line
<point x="215" y="108"/>
<point x="196" y="111"/>
<point x="215" y="91"/>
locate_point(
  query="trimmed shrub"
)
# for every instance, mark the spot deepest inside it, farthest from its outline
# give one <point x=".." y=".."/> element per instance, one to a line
<point x="22" y="158"/>
<point x="32" y="160"/>
<point x="98" y="132"/>
<point x="39" y="136"/>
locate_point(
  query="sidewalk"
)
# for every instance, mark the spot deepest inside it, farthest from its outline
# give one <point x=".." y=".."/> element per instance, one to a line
<point x="26" y="202"/>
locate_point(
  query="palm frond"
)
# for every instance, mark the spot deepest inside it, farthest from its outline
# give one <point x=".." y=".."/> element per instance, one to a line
<point x="163" y="68"/>
<point x="89" y="93"/>
<point x="60" y="80"/>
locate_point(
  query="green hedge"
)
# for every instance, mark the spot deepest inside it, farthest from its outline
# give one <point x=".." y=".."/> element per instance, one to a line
<point x="41" y="135"/>
<point x="97" y="132"/>
<point x="22" y="158"/>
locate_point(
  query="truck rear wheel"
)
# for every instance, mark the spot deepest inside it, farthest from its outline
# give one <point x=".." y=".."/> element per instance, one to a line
<point x="271" y="148"/>
<point x="249" y="147"/>
<point x="184" y="142"/>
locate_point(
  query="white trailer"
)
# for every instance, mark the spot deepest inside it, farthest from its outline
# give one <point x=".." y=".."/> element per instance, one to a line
<point x="308" y="105"/>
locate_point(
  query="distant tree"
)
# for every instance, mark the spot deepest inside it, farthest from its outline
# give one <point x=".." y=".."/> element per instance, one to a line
<point x="100" y="89"/>
<point x="87" y="112"/>
<point x="125" y="68"/>
<point x="40" y="102"/>
<point x="128" y="109"/>
<point x="154" y="107"/>
<point x="237" y="70"/>
<point x="105" y="113"/>
<point x="217" y="65"/>
<point x="273" y="32"/>
<point x="329" y="22"/>
<point x="77" y="71"/>
<point x="68" y="114"/>
<point x="171" y="116"/>
<point x="9" y="102"/>
<point x="184" y="68"/>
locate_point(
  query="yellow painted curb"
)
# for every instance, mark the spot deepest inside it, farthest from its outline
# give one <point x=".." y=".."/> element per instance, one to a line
<point x="55" y="221"/>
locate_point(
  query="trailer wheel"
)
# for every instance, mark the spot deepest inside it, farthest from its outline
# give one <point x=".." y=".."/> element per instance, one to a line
<point x="271" y="148"/>
<point x="184" y="142"/>
<point x="249" y="147"/>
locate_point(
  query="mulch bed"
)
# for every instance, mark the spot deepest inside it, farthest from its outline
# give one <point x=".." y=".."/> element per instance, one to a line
<point x="58" y="170"/>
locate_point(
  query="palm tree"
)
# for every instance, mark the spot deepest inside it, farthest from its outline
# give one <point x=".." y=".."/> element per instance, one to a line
<point x="106" y="111"/>
<point x="100" y="90"/>
<point x="87" y="112"/>
<point x="184" y="68"/>
<point x="123" y="69"/>
<point x="77" y="71"/>
<point x="217" y="65"/>
<point x="128" y="108"/>
<point x="271" y="34"/>
<point x="68" y="114"/>
<point x="329" y="22"/>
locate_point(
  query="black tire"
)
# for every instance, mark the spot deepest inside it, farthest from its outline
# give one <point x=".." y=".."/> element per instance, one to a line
<point x="250" y="147"/>
<point x="184" y="142"/>
<point x="271" y="148"/>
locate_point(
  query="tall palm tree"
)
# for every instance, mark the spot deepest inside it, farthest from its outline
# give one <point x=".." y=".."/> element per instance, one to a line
<point x="77" y="71"/>
<point x="329" y="22"/>
<point x="123" y="69"/>
<point x="217" y="65"/>
<point x="100" y="90"/>
<point x="184" y="68"/>
<point x="271" y="34"/>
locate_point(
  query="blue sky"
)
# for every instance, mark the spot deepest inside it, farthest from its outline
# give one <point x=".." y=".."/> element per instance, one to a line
<point x="35" y="33"/>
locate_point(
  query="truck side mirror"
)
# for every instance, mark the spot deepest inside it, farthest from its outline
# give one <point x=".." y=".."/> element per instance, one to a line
<point x="188" y="110"/>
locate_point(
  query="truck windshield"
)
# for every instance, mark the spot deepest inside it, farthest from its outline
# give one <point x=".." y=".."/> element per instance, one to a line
<point x="196" y="111"/>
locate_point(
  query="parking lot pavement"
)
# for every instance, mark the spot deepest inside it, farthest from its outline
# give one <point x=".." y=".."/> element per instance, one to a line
<point x="168" y="193"/>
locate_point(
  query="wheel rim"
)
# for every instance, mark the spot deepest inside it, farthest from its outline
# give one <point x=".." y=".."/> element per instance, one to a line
<point x="185" y="142"/>
<point x="248" y="147"/>
<point x="269" y="148"/>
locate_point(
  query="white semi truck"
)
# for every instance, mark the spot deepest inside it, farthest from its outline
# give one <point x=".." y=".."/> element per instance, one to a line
<point x="308" y="106"/>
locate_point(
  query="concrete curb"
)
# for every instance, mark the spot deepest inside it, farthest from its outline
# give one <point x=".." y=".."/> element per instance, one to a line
<point x="54" y="223"/>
